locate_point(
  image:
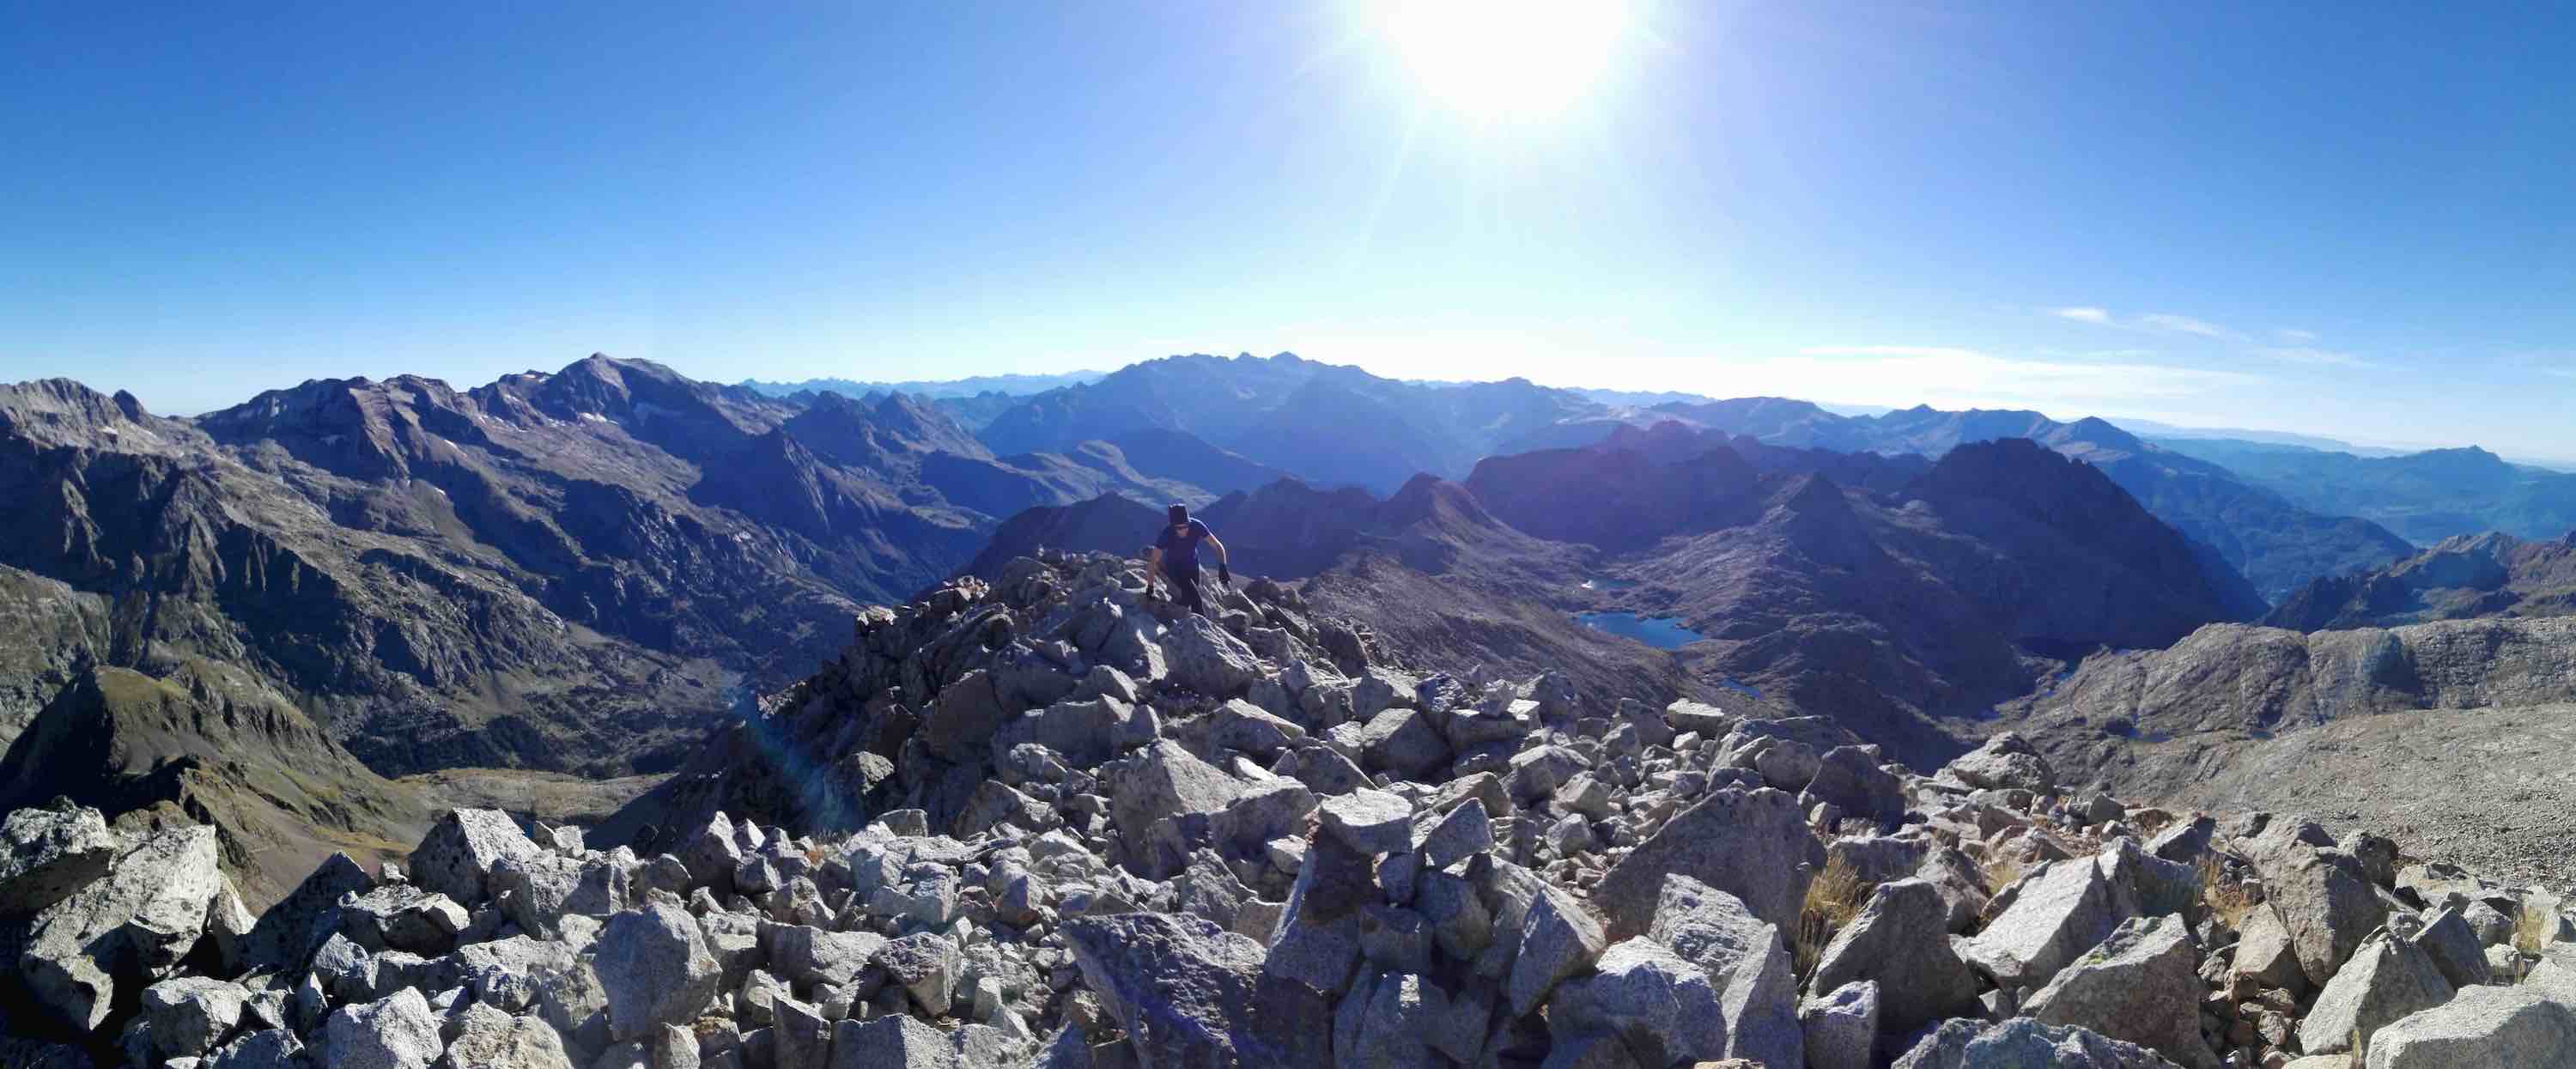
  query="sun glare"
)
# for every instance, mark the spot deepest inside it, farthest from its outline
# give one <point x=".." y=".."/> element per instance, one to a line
<point x="1506" y="60"/>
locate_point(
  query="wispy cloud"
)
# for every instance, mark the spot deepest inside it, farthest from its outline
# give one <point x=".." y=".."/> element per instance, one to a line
<point x="2289" y="345"/>
<point x="2182" y="324"/>
<point x="2303" y="354"/>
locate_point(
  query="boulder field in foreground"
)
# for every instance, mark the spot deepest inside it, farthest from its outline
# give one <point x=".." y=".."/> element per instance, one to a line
<point x="1289" y="854"/>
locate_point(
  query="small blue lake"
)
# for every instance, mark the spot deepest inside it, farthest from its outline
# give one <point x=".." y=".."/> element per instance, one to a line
<point x="1661" y="632"/>
<point x="1606" y="583"/>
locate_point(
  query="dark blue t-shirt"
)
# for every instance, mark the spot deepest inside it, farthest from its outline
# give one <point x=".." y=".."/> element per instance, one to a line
<point x="1181" y="550"/>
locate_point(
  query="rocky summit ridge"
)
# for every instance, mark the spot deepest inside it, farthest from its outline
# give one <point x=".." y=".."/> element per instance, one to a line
<point x="1046" y="821"/>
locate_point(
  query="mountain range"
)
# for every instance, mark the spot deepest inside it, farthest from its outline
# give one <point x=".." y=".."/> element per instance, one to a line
<point x="2425" y="497"/>
<point x="320" y="614"/>
<point x="1329" y="424"/>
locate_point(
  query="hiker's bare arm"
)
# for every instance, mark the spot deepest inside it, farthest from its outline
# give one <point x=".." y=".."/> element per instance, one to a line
<point x="1220" y="549"/>
<point x="1153" y="565"/>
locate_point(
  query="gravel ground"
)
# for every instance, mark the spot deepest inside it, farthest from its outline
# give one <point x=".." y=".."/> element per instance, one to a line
<point x="2490" y="789"/>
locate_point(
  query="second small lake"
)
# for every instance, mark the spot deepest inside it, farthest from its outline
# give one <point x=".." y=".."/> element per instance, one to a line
<point x="1661" y="632"/>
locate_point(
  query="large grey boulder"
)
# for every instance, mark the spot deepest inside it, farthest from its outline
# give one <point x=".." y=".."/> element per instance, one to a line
<point x="1662" y="1006"/>
<point x="456" y="857"/>
<point x="2453" y="948"/>
<point x="1164" y="780"/>
<point x="1849" y="779"/>
<point x="2154" y="885"/>
<point x="2005" y="762"/>
<point x="1389" y="1019"/>
<point x="1465" y="832"/>
<point x="960" y="723"/>
<point x="1559" y="937"/>
<point x="1841" y="1026"/>
<point x="1191" y="994"/>
<point x="926" y="966"/>
<point x="286" y="936"/>
<point x="2482" y="1027"/>
<point x="2386" y="979"/>
<point x="46" y="854"/>
<point x="404" y="916"/>
<point x="2265" y="952"/>
<point x="1745" y="957"/>
<point x="184" y="1016"/>
<point x="1754" y="845"/>
<point x="1370" y="822"/>
<point x="2059" y="913"/>
<point x="1084" y="731"/>
<point x="1241" y="725"/>
<point x="130" y="927"/>
<point x="655" y="969"/>
<point x="894" y="1042"/>
<point x="807" y="955"/>
<point x="278" y="1048"/>
<point x="1208" y="660"/>
<point x="2024" y="1043"/>
<point x="1901" y="941"/>
<point x="2324" y="897"/>
<point x="499" y="1041"/>
<point x="394" y="1032"/>
<point x="2142" y="984"/>
<point x="535" y="889"/>
<point x="1403" y="741"/>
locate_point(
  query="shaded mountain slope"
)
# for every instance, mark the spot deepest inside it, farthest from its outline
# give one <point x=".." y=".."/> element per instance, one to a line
<point x="1105" y="524"/>
<point x="2459" y="578"/>
<point x="217" y="746"/>
<point x="53" y="633"/>
<point x="1899" y="612"/>
<point x="2274" y="543"/>
<point x="567" y="571"/>
<point x="2426" y="496"/>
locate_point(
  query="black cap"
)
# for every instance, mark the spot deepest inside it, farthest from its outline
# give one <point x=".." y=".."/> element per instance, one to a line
<point x="1180" y="513"/>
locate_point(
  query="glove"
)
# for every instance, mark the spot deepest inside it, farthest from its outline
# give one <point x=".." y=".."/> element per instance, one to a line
<point x="1222" y="575"/>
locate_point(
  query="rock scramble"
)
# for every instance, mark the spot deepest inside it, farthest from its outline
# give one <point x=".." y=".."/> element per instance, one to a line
<point x="1047" y="822"/>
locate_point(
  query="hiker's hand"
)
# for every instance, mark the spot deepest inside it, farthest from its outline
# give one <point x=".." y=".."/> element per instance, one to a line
<point x="1222" y="575"/>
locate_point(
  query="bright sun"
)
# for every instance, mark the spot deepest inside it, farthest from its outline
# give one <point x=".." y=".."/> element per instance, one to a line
<point x="1507" y="60"/>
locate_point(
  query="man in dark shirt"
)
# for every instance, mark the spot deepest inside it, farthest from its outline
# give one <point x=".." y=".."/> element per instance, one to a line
<point x="1175" y="557"/>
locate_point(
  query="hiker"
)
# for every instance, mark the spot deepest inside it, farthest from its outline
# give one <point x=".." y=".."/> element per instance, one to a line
<point x="1175" y="557"/>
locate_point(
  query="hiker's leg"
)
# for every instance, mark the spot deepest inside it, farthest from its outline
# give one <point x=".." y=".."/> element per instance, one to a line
<point x="1185" y="588"/>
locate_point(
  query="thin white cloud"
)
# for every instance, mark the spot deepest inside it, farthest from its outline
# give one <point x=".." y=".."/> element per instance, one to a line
<point x="2293" y="346"/>
<point x="2303" y="354"/>
<point x="2182" y="324"/>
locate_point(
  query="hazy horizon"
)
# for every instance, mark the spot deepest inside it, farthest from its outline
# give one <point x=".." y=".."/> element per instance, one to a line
<point x="2336" y="222"/>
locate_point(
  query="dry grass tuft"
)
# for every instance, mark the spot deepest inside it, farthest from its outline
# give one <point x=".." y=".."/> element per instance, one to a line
<point x="2000" y="869"/>
<point x="2532" y="927"/>
<point x="2228" y="900"/>
<point x="1834" y="897"/>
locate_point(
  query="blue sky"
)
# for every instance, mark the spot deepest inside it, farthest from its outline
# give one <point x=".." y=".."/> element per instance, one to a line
<point x="2339" y="219"/>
